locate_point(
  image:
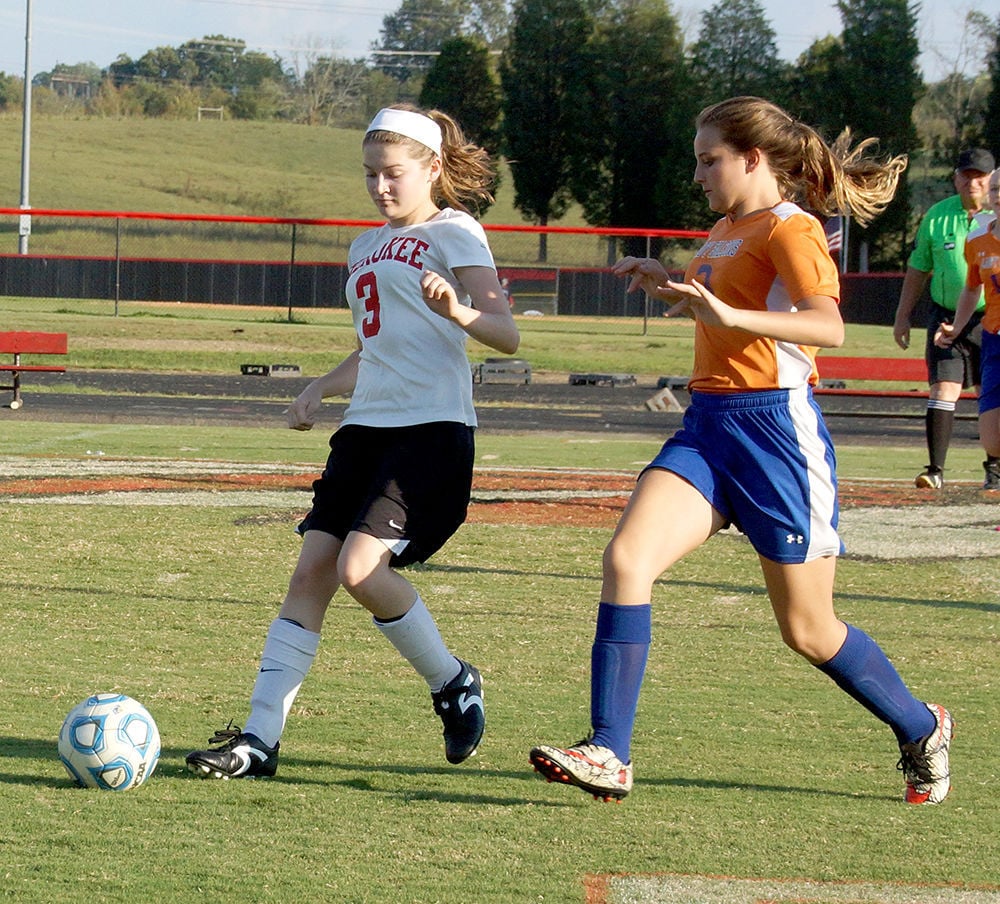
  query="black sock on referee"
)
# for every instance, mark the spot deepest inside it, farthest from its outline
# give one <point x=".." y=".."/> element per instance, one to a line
<point x="939" y="422"/>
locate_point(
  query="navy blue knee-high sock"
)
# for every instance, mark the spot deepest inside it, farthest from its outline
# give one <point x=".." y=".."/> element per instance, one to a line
<point x="617" y="665"/>
<point x="863" y="670"/>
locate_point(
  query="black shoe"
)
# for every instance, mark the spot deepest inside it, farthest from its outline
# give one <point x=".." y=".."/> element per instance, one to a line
<point x="460" y="705"/>
<point x="238" y="756"/>
<point x="992" y="468"/>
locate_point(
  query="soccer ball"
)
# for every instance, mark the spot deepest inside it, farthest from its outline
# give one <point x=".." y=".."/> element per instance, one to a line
<point x="109" y="741"/>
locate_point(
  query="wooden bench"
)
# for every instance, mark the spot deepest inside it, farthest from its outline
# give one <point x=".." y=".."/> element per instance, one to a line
<point x="24" y="342"/>
<point x="838" y="369"/>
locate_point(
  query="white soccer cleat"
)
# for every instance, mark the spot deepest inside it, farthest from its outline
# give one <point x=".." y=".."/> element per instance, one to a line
<point x="925" y="763"/>
<point x="595" y="769"/>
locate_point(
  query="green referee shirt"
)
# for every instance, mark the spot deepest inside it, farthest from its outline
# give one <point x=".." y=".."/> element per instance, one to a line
<point x="940" y="250"/>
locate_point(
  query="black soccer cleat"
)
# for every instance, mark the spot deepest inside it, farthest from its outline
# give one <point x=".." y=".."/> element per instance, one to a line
<point x="460" y="705"/>
<point x="238" y="756"/>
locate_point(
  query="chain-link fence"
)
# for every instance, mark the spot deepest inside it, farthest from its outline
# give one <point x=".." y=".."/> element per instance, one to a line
<point x="287" y="262"/>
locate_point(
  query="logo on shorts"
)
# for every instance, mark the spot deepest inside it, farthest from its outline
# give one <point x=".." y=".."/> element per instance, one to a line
<point x="394" y="525"/>
<point x="794" y="539"/>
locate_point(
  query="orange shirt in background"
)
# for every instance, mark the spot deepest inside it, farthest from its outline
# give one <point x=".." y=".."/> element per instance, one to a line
<point x="982" y="254"/>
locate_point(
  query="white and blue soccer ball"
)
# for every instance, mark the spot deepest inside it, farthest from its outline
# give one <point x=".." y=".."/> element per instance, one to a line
<point x="109" y="741"/>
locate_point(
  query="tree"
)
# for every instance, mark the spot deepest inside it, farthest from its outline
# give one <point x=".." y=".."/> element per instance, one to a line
<point x="736" y="52"/>
<point x="812" y="93"/>
<point x="951" y="115"/>
<point x="419" y="27"/>
<point x="462" y="83"/>
<point x="424" y="26"/>
<point x="633" y="120"/>
<point x="11" y="91"/>
<point x="991" y="116"/>
<point x="165" y="64"/>
<point x="880" y="49"/>
<point x="329" y="90"/>
<point x="123" y="71"/>
<point x="537" y="74"/>
<point x="214" y="60"/>
<point x="489" y="20"/>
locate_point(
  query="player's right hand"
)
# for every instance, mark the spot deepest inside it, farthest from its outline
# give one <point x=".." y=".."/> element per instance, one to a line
<point x="302" y="412"/>
<point x="944" y="336"/>
<point x="644" y="273"/>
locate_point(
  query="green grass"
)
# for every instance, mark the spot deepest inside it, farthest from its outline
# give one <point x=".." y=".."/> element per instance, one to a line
<point x="191" y="338"/>
<point x="275" y="443"/>
<point x="190" y="167"/>
<point x="231" y="167"/>
<point x="749" y="762"/>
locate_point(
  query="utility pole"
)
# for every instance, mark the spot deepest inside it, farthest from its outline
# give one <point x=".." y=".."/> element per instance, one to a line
<point x="24" y="227"/>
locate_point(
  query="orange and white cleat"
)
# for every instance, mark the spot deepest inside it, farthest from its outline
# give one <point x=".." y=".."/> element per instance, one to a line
<point x="595" y="769"/>
<point x="924" y="763"/>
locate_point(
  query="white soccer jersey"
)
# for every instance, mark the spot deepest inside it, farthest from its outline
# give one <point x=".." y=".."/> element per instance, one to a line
<point x="413" y="365"/>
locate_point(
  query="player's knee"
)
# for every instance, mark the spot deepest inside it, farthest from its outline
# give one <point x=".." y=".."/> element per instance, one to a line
<point x="808" y="642"/>
<point x="615" y="562"/>
<point x="311" y="580"/>
<point x="624" y="562"/>
<point x="356" y="572"/>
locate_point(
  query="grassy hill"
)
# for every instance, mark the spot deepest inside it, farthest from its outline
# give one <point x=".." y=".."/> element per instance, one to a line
<point x="230" y="167"/>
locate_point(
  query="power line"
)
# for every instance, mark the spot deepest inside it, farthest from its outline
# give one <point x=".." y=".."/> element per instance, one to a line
<point x="309" y="6"/>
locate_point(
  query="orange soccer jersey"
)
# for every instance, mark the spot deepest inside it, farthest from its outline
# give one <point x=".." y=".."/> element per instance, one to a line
<point x="982" y="254"/>
<point x="765" y="261"/>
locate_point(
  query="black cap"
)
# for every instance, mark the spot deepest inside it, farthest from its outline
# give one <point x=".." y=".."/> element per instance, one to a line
<point x="976" y="159"/>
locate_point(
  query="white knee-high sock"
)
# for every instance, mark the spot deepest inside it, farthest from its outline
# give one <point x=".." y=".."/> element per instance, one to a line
<point x="418" y="641"/>
<point x="289" y="651"/>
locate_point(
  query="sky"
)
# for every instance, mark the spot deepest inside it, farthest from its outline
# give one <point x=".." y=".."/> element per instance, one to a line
<point x="77" y="31"/>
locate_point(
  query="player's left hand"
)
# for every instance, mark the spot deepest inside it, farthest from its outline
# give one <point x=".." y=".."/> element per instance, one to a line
<point x="439" y="294"/>
<point x="699" y="303"/>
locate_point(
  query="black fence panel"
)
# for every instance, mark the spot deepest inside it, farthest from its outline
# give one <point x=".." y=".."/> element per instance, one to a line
<point x="866" y="298"/>
<point x="214" y="282"/>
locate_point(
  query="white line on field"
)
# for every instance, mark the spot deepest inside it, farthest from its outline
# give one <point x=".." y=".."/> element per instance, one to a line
<point x="673" y="889"/>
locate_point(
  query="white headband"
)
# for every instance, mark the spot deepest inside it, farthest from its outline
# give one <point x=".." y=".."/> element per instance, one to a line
<point x="412" y="125"/>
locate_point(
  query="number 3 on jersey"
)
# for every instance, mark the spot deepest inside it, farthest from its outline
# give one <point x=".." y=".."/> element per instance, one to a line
<point x="367" y="291"/>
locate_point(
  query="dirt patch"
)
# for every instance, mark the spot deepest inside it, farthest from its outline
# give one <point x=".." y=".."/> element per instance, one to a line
<point x="880" y="519"/>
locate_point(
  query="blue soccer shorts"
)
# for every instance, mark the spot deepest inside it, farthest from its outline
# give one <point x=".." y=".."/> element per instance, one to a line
<point x="765" y="462"/>
<point x="989" y="393"/>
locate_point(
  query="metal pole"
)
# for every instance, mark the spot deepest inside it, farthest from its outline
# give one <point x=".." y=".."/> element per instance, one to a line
<point x="646" y="298"/>
<point x="118" y="262"/>
<point x="844" y="241"/>
<point x="24" y="227"/>
<point x="291" y="275"/>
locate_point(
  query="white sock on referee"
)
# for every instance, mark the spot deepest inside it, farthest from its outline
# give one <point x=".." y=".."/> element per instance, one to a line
<point x="289" y="651"/>
<point x="419" y="642"/>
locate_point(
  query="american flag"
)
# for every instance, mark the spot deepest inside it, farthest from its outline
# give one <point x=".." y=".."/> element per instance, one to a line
<point x="834" y="229"/>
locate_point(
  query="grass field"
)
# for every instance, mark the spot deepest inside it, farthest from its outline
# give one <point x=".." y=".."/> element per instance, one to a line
<point x="192" y="338"/>
<point x="748" y="762"/>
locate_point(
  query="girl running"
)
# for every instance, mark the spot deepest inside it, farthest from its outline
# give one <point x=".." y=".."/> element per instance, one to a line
<point x="753" y="451"/>
<point x="397" y="481"/>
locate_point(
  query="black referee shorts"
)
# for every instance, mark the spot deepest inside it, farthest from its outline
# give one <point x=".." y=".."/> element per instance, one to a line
<point x="959" y="363"/>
